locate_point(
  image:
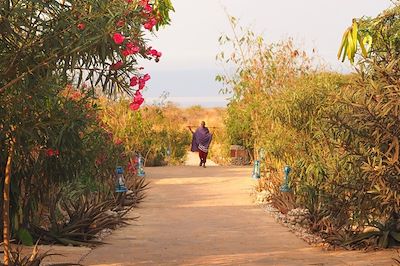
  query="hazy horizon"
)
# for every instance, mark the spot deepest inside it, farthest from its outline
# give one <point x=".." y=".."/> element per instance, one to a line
<point x="189" y="45"/>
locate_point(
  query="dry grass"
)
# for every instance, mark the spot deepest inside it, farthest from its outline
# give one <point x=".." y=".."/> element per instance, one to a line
<point x="214" y="118"/>
<point x="192" y="116"/>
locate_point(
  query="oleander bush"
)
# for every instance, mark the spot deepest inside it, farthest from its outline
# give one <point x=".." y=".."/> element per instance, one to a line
<point x="57" y="57"/>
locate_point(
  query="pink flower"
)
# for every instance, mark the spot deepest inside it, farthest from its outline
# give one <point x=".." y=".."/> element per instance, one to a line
<point x="144" y="2"/>
<point x="152" y="52"/>
<point x="81" y="26"/>
<point x="137" y="101"/>
<point x="134" y="81"/>
<point x="117" y="65"/>
<point x="134" y="106"/>
<point x="150" y="24"/>
<point x="146" y="77"/>
<point x="130" y="46"/>
<point x="148" y="8"/>
<point x="142" y="83"/>
<point x="131" y="166"/>
<point x="130" y="49"/>
<point x="153" y="21"/>
<point x="155" y="53"/>
<point x="50" y="152"/>
<point x="118" y="38"/>
<point x="120" y="23"/>
<point x="125" y="53"/>
<point x="138" y="97"/>
<point x="135" y="49"/>
<point x="118" y="142"/>
<point x="76" y="95"/>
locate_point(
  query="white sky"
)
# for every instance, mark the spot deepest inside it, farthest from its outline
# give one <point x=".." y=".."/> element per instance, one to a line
<point x="187" y="68"/>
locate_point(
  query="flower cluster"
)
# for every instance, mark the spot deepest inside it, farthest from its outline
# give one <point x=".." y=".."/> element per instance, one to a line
<point x="137" y="101"/>
<point x="148" y="12"/>
<point x="156" y="54"/>
<point x="51" y="153"/>
<point x="139" y="80"/>
<point x="138" y="98"/>
<point x="151" y="22"/>
<point x="147" y="8"/>
<point x="131" y="48"/>
<point x="132" y="165"/>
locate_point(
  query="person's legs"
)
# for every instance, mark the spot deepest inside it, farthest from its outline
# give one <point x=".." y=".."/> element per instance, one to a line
<point x="201" y="158"/>
<point x="205" y="158"/>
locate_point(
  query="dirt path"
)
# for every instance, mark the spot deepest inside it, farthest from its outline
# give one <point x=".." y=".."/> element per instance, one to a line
<point x="197" y="216"/>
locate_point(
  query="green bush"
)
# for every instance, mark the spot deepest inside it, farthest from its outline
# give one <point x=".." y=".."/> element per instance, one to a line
<point x="150" y="132"/>
<point x="338" y="133"/>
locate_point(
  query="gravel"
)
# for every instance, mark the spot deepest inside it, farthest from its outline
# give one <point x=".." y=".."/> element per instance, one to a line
<point x="297" y="220"/>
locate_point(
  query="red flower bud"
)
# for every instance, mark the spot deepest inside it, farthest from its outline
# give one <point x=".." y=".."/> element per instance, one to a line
<point x="81" y="26"/>
<point x="120" y="23"/>
<point x="118" y="38"/>
<point x="117" y="65"/>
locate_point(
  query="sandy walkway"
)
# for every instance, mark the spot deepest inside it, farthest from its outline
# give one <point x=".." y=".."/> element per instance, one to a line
<point x="192" y="159"/>
<point x="197" y="216"/>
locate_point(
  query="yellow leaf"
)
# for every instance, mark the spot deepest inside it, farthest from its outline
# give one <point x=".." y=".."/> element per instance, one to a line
<point x="354" y="35"/>
<point x="343" y="44"/>
<point x="363" y="50"/>
<point x="350" y="47"/>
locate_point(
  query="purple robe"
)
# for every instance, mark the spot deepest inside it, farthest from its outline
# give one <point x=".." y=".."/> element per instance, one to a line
<point x="201" y="139"/>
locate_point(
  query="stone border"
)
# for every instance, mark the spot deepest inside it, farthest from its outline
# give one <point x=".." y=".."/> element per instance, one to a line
<point x="297" y="220"/>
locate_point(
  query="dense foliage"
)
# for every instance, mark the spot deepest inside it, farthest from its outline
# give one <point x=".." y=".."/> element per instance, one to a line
<point x="49" y="132"/>
<point x="338" y="133"/>
<point x="154" y="132"/>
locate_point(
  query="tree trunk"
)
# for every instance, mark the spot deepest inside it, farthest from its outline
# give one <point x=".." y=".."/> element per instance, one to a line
<point x="6" y="205"/>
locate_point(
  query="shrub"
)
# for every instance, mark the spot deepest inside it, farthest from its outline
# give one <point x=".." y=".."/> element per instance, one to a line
<point x="338" y="133"/>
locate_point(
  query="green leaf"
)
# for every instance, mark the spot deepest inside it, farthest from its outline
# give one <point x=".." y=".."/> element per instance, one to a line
<point x="395" y="235"/>
<point x="384" y="240"/>
<point x="25" y="237"/>
<point x="362" y="236"/>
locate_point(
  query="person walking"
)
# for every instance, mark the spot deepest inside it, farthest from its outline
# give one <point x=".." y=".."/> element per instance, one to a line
<point x="201" y="142"/>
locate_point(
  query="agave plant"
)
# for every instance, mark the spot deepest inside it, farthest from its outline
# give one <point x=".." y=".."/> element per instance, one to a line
<point x="34" y="259"/>
<point x="384" y="236"/>
<point x="124" y="202"/>
<point x="78" y="222"/>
